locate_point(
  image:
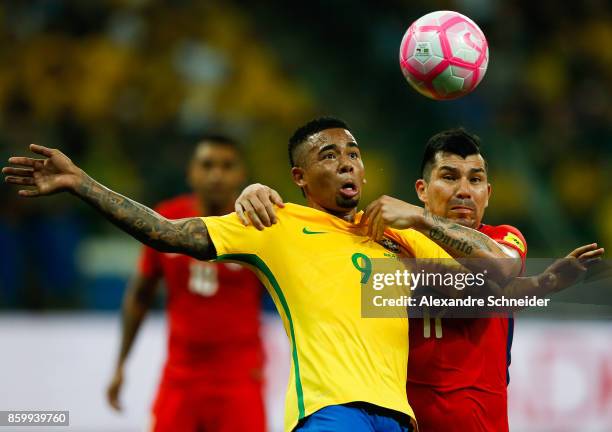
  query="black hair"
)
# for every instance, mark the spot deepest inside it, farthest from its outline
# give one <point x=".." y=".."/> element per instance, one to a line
<point x="456" y="141"/>
<point x="219" y="139"/>
<point x="312" y="127"/>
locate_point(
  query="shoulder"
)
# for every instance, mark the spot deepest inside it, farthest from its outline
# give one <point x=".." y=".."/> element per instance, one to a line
<point x="294" y="214"/>
<point x="506" y="234"/>
<point x="285" y="214"/>
<point x="292" y="210"/>
<point x="231" y="237"/>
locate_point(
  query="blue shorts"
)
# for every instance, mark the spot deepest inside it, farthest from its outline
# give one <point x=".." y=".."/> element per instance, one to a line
<point x="355" y="417"/>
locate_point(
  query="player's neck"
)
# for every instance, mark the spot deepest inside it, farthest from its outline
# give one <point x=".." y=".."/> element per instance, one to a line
<point x="207" y="208"/>
<point x="347" y="215"/>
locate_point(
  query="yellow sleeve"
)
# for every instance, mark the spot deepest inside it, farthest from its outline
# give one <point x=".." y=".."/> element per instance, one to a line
<point x="420" y="245"/>
<point x="231" y="237"/>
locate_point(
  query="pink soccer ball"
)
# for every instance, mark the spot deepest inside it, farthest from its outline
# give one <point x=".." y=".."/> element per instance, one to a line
<point x="444" y="55"/>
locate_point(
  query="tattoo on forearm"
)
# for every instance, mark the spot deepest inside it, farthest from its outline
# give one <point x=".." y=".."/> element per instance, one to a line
<point x="187" y="236"/>
<point x="439" y="236"/>
<point x="456" y="237"/>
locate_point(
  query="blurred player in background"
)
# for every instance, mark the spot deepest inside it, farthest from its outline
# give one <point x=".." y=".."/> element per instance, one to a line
<point x="214" y="366"/>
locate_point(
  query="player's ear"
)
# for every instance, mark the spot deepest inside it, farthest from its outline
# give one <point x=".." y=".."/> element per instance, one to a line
<point x="421" y="189"/>
<point x="488" y="194"/>
<point x="242" y="172"/>
<point x="297" y="174"/>
<point x="189" y="174"/>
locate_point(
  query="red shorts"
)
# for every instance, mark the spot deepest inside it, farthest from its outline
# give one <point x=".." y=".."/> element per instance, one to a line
<point x="194" y="407"/>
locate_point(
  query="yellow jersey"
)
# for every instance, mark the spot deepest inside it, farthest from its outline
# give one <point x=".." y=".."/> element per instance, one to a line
<point x="310" y="263"/>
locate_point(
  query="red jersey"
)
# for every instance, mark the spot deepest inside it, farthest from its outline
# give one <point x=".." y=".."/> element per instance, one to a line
<point x="458" y="373"/>
<point x="213" y="312"/>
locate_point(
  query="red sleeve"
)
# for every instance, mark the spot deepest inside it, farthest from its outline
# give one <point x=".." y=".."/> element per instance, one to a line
<point x="511" y="237"/>
<point x="149" y="264"/>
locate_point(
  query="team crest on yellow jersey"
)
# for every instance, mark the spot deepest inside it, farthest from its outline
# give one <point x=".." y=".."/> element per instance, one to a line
<point x="390" y="245"/>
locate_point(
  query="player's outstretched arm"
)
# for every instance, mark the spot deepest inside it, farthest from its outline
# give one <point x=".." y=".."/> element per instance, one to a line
<point x="560" y="275"/>
<point x="137" y="301"/>
<point x="459" y="241"/>
<point x="55" y="172"/>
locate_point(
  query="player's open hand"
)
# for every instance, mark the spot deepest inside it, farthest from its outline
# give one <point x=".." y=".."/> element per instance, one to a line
<point x="565" y="272"/>
<point x="51" y="174"/>
<point x="389" y="212"/>
<point x="114" y="389"/>
<point x="256" y="205"/>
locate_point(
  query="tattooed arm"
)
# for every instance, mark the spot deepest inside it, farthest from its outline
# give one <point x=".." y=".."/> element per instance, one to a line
<point x="460" y="241"/>
<point x="501" y="262"/>
<point x="57" y="173"/>
<point x="481" y="251"/>
<point x="185" y="236"/>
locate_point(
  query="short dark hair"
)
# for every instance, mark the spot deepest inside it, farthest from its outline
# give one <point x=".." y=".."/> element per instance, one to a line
<point x="218" y="139"/>
<point x="312" y="127"/>
<point x="456" y="141"/>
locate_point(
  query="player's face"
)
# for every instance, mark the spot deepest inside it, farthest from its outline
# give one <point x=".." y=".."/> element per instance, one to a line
<point x="216" y="174"/>
<point x="457" y="188"/>
<point x="330" y="171"/>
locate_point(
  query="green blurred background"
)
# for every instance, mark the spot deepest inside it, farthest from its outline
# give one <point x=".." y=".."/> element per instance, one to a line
<point x="126" y="87"/>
